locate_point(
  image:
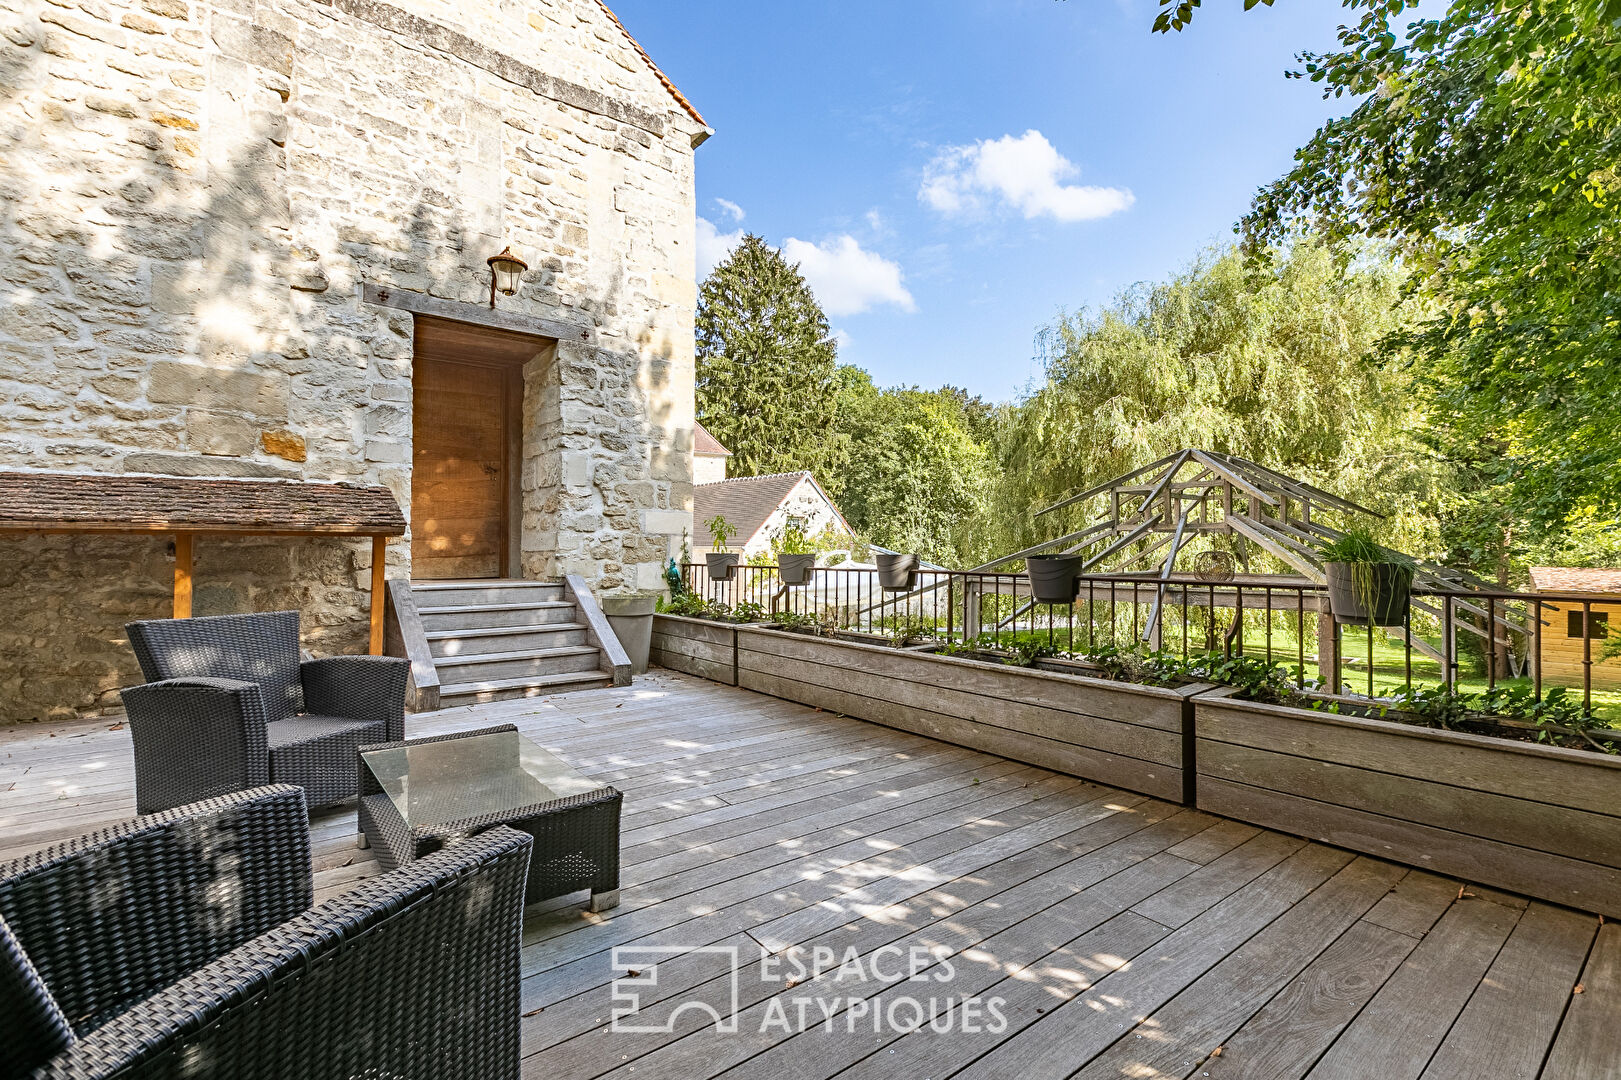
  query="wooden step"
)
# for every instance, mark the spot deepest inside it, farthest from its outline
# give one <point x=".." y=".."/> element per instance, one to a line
<point x="504" y="639"/>
<point x="484" y="591"/>
<point x="491" y="616"/>
<point x="478" y="693"/>
<point x="515" y="665"/>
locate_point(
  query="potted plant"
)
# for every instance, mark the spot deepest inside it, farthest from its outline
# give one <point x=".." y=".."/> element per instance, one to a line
<point x="1368" y="583"/>
<point x="795" y="559"/>
<point x="719" y="560"/>
<point x="1054" y="579"/>
<point x="896" y="572"/>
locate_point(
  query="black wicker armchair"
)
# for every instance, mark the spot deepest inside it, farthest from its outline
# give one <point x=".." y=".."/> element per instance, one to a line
<point x="184" y="944"/>
<point x="228" y="705"/>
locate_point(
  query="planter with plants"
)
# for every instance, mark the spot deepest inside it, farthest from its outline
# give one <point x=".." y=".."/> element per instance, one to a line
<point x="1127" y="735"/>
<point x="719" y="561"/>
<point x="1367" y="582"/>
<point x="896" y="573"/>
<point x="1497" y="789"/>
<point x="796" y="558"/>
<point x="699" y="637"/>
<point x="1054" y="579"/>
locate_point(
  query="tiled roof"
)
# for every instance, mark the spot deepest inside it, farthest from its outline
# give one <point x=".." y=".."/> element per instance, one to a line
<point x="705" y="443"/>
<point x="1576" y="579"/>
<point x="93" y="502"/>
<point x="746" y="502"/>
<point x="663" y="78"/>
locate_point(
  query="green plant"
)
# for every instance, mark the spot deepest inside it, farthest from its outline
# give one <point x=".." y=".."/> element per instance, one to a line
<point x="793" y="620"/>
<point x="1357" y="547"/>
<point x="689" y="604"/>
<point x="792" y="540"/>
<point x="1437" y="706"/>
<point x="1026" y="651"/>
<point x="748" y="611"/>
<point x="910" y="630"/>
<point x="722" y="531"/>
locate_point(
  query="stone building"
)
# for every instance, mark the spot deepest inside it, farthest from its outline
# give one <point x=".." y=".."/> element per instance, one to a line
<point x="250" y="239"/>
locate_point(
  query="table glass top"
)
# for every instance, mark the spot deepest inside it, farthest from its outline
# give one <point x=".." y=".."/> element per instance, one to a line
<point x="438" y="782"/>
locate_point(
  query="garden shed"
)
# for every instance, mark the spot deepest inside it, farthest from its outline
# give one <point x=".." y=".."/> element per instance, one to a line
<point x="1570" y="641"/>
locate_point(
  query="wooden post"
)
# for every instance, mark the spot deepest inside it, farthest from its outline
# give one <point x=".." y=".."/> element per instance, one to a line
<point x="379" y="564"/>
<point x="182" y="575"/>
<point x="1328" y="647"/>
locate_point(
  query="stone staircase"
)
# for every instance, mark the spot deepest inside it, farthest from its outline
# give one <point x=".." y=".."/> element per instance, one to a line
<point x="496" y="639"/>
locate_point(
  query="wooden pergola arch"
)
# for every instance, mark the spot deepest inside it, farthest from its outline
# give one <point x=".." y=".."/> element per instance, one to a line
<point x="190" y="507"/>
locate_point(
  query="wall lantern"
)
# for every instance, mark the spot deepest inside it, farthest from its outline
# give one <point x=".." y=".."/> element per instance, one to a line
<point x="506" y="271"/>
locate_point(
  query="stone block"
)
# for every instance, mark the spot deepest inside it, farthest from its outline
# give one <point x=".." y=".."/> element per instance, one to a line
<point x="666" y="522"/>
<point x="196" y="465"/>
<point x="221" y="433"/>
<point x="284" y="444"/>
<point x="175" y="383"/>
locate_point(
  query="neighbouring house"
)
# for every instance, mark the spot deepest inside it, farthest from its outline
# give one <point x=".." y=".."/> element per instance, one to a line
<point x="759" y="507"/>
<point x="708" y="457"/>
<point x="1569" y="639"/>
<point x="253" y="242"/>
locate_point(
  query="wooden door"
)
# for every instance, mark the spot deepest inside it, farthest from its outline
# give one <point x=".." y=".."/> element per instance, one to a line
<point x="461" y="464"/>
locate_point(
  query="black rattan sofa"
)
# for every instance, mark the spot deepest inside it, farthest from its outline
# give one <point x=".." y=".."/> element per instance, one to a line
<point x="228" y="705"/>
<point x="184" y="944"/>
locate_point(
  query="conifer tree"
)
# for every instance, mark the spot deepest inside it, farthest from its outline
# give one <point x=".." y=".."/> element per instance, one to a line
<point x="766" y="361"/>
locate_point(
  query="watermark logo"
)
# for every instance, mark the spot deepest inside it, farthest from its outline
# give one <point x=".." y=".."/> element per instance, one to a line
<point x="640" y="965"/>
<point x="890" y="989"/>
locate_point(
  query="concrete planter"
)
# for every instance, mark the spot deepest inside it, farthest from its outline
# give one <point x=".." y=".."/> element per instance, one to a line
<point x="632" y="620"/>
<point x="795" y="569"/>
<point x="1120" y="734"/>
<point x="1539" y="820"/>
<point x="720" y="564"/>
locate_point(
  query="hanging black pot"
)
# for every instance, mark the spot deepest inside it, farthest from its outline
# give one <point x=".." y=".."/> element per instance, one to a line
<point x="896" y="572"/>
<point x="795" y="569"/>
<point x="720" y="564"/>
<point x="1383" y="596"/>
<point x="1054" y="579"/>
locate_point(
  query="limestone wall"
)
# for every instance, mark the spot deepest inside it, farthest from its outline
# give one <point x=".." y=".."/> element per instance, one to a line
<point x="194" y="194"/>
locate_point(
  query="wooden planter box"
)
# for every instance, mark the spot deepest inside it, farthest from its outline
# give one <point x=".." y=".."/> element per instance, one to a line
<point x="1538" y="820"/>
<point x="700" y="647"/>
<point x="1125" y="735"/>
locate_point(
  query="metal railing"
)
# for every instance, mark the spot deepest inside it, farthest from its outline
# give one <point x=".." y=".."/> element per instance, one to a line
<point x="1447" y="637"/>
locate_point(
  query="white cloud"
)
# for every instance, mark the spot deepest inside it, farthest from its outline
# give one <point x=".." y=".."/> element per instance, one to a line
<point x="1022" y="172"/>
<point x="732" y="210"/>
<point x="714" y="245"/>
<point x="846" y="278"/>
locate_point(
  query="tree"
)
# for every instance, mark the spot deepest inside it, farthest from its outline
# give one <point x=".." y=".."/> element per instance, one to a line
<point x="766" y="361"/>
<point x="1486" y="148"/>
<point x="1266" y="363"/>
<point x="915" y="476"/>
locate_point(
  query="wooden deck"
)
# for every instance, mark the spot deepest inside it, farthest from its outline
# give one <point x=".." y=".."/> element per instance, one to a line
<point x="1126" y="937"/>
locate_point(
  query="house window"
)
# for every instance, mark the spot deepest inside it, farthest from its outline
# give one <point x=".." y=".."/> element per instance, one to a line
<point x="1598" y="627"/>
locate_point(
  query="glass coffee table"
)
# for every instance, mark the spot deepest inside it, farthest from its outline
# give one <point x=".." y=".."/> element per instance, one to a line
<point x="419" y="795"/>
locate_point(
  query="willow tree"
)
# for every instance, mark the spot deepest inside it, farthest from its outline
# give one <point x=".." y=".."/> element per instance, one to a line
<point x="1269" y="363"/>
<point x="765" y="364"/>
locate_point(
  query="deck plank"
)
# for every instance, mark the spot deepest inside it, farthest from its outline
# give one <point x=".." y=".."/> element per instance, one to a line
<point x="1588" y="1046"/>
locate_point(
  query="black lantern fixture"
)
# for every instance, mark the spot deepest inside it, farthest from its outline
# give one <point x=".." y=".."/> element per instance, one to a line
<point x="506" y="271"/>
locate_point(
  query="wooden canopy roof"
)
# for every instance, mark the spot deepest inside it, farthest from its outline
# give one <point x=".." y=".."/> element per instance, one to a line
<point x="94" y="502"/>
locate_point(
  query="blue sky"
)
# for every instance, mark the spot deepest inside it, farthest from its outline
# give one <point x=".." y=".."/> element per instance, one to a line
<point x="953" y="173"/>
